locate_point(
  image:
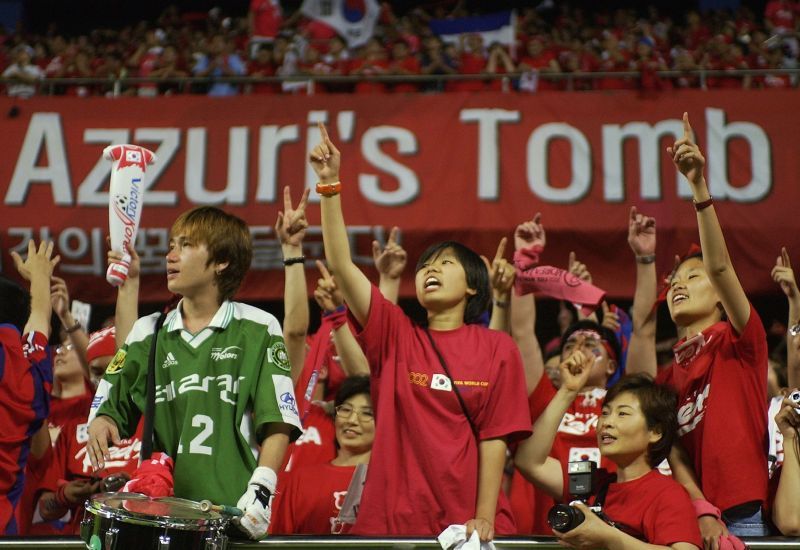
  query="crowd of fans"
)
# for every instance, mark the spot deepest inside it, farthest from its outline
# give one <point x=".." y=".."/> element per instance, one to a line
<point x="555" y="46"/>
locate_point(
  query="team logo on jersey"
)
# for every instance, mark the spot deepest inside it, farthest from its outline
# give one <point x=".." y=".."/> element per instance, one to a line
<point x="170" y="361"/>
<point x="441" y="382"/>
<point x="116" y="363"/>
<point x="231" y="352"/>
<point x="277" y="354"/>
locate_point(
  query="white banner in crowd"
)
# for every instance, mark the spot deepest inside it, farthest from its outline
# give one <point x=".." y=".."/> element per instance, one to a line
<point x="354" y="20"/>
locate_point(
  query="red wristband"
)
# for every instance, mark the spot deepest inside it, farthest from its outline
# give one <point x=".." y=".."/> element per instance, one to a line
<point x="329" y="189"/>
<point x="704" y="508"/>
<point x="704" y="204"/>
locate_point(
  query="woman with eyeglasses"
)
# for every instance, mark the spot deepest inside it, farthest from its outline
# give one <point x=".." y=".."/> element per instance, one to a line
<point x="311" y="496"/>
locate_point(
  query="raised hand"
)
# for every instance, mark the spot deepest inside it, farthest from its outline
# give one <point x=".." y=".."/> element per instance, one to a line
<point x="783" y="274"/>
<point x="578" y="269"/>
<point x="391" y="261"/>
<point x="530" y="233"/>
<point x="291" y="224"/>
<point x="327" y="294"/>
<point x="59" y="296"/>
<point x="575" y="368"/>
<point x="788" y="418"/>
<point x="641" y="233"/>
<point x="610" y="317"/>
<point x="134" y="263"/>
<point x="325" y="158"/>
<point x="38" y="261"/>
<point x="687" y="156"/>
<point x="501" y="273"/>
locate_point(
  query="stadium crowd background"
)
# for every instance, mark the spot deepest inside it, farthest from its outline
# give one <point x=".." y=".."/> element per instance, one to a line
<point x="560" y="38"/>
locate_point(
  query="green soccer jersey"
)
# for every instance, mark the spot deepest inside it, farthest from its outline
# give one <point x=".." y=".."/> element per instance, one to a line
<point x="215" y="393"/>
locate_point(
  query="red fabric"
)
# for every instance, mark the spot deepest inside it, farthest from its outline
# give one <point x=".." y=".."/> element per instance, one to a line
<point x="153" y="477"/>
<point x="655" y="506"/>
<point x="70" y="461"/>
<point x="370" y="67"/>
<point x="25" y="381"/>
<point x="309" y="499"/>
<point x="317" y="445"/>
<point x="101" y="343"/>
<point x="722" y="389"/>
<point x="413" y="487"/>
<point x="782" y="14"/>
<point x="469" y="64"/>
<point x="267" y="17"/>
<point x="411" y="65"/>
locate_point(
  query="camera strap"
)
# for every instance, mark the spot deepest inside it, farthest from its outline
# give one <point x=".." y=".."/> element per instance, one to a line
<point x="452" y="382"/>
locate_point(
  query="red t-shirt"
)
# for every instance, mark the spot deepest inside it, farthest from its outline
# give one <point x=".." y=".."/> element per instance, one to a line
<point x="26" y="376"/>
<point x="722" y="390"/>
<point x="469" y="63"/>
<point x="655" y="507"/>
<point x="267" y="17"/>
<point x="411" y="65"/>
<point x="317" y="445"/>
<point x="310" y="499"/>
<point x="423" y="473"/>
<point x="782" y="15"/>
<point x="576" y="439"/>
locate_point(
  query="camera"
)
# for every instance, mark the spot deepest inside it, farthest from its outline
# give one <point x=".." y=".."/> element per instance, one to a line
<point x="794" y="397"/>
<point x="582" y="484"/>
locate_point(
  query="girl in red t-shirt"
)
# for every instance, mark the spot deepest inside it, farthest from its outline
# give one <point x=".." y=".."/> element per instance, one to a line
<point x="439" y="434"/>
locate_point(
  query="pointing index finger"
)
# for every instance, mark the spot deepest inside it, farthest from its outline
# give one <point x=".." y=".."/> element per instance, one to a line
<point x="287" y="199"/>
<point x="687" y="128"/>
<point x="323" y="270"/>
<point x="323" y="132"/>
<point x="501" y="249"/>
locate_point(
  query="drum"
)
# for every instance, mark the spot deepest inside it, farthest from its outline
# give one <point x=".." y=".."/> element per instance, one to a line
<point x="121" y="521"/>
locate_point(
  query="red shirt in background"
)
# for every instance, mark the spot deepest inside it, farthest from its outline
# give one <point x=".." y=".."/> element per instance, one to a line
<point x="267" y="17"/>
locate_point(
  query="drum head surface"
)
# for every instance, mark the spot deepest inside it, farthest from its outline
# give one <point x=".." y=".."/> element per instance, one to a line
<point x="140" y="508"/>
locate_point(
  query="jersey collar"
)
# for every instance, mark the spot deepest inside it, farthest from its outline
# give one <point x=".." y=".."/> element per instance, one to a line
<point x="221" y="319"/>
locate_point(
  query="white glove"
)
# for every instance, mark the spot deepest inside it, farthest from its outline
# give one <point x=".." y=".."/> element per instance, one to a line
<point x="256" y="502"/>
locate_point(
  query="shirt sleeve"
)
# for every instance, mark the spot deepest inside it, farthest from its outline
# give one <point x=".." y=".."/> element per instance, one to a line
<point x="751" y="344"/>
<point x="379" y="336"/>
<point x="506" y="412"/>
<point x="274" y="400"/>
<point x="540" y="397"/>
<point x="124" y="384"/>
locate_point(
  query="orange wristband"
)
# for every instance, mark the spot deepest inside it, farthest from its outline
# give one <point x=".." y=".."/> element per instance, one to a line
<point x="329" y="189"/>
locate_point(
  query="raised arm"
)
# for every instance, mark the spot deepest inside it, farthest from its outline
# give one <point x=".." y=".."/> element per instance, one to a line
<point x="390" y="262"/>
<point x="783" y="274"/>
<point x="329" y="299"/>
<point x="290" y="228"/>
<point x="690" y="161"/>
<point x="580" y="270"/>
<point x="356" y="288"/>
<point x="532" y="458"/>
<point x="501" y="281"/>
<point x="37" y="268"/>
<point x="528" y="235"/>
<point x="786" y="511"/>
<point x="642" y="348"/>
<point x="60" y="302"/>
<point x="127" y="308"/>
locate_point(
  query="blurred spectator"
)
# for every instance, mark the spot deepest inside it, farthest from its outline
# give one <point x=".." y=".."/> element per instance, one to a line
<point x="472" y="60"/>
<point x="220" y="60"/>
<point x="168" y="66"/>
<point x="23" y="74"/>
<point x="780" y="16"/>
<point x="537" y="59"/>
<point x="499" y="62"/>
<point x="403" y="63"/>
<point x="144" y="61"/>
<point x="264" y="20"/>
<point x="262" y="66"/>
<point x="371" y="61"/>
<point x="436" y="61"/>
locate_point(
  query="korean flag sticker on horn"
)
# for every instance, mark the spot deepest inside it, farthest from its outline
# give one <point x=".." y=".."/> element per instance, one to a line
<point x="126" y="196"/>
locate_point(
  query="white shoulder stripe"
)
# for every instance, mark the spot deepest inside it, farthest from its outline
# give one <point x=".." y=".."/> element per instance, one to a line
<point x="249" y="313"/>
<point x="144" y="327"/>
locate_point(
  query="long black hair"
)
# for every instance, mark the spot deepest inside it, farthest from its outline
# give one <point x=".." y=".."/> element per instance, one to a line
<point x="476" y="273"/>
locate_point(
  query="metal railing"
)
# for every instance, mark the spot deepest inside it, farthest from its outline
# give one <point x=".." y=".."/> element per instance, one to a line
<point x="570" y="81"/>
<point x="330" y="542"/>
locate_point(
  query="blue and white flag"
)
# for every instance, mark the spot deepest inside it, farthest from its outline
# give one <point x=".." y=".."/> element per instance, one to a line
<point x="493" y="27"/>
<point x="354" y="20"/>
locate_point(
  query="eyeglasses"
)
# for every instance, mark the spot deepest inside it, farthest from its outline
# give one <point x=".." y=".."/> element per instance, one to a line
<point x="363" y="415"/>
<point x="64" y="349"/>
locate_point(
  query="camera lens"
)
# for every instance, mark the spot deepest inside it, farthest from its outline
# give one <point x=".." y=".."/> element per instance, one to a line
<point x="563" y="517"/>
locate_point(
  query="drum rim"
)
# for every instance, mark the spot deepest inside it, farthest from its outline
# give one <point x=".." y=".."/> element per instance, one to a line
<point x="188" y="524"/>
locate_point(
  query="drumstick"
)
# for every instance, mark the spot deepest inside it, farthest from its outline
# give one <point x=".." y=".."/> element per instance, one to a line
<point x="207" y="505"/>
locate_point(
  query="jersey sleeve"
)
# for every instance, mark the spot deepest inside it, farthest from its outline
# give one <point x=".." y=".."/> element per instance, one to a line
<point x="274" y="400"/>
<point x="124" y="383"/>
<point x="540" y="397"/>
<point x="506" y="412"/>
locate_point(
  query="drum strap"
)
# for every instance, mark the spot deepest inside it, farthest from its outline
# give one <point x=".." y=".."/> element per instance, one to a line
<point x="150" y="403"/>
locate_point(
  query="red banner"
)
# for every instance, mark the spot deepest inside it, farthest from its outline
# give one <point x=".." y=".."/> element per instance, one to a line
<point x="463" y="167"/>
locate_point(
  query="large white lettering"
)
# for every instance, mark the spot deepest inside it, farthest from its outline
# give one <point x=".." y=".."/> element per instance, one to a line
<point x="44" y="132"/>
<point x="489" y="147"/>
<point x="537" y="157"/>
<point x="408" y="184"/>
